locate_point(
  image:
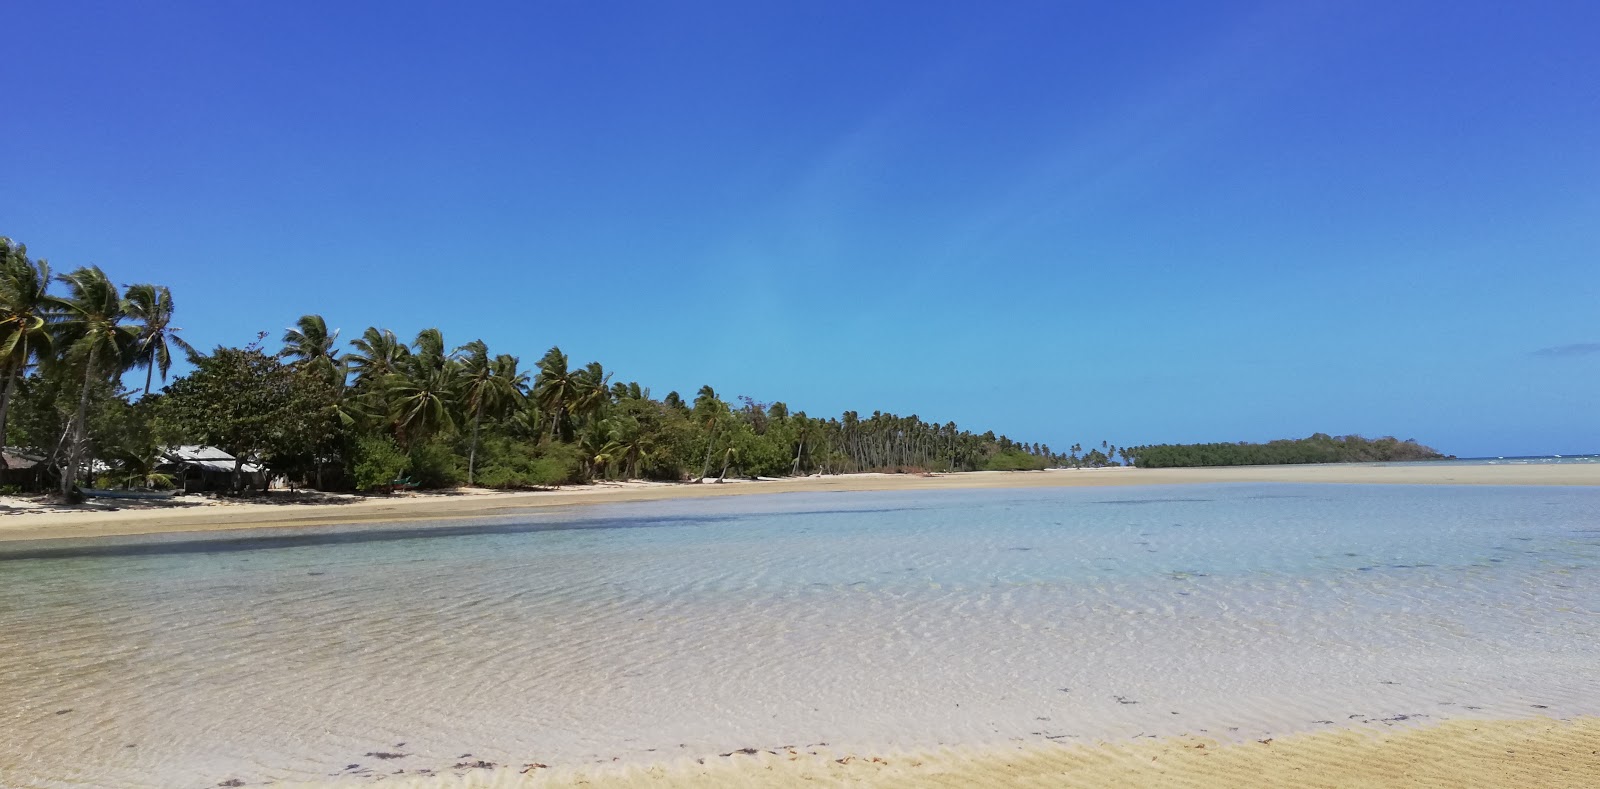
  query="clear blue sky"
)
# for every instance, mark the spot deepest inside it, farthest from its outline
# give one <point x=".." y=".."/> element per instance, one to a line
<point x="1135" y="222"/>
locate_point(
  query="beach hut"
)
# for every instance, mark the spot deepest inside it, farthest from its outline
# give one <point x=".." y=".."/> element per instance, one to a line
<point x="22" y="471"/>
<point x="197" y="469"/>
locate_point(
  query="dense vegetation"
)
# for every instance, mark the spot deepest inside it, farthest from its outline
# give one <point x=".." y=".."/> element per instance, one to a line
<point x="1319" y="448"/>
<point x="383" y="408"/>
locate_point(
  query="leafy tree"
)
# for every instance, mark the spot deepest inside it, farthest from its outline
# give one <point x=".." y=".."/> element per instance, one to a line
<point x="378" y="462"/>
<point x="250" y="403"/>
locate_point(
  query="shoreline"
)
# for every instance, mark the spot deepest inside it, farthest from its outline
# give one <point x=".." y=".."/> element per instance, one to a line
<point x="124" y="519"/>
<point x="1536" y="752"/>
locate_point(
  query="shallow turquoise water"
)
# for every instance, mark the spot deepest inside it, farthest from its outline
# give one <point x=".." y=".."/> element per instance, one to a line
<point x="869" y="619"/>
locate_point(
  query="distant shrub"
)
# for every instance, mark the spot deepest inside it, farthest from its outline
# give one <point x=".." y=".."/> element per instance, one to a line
<point x="1013" y="460"/>
<point x="433" y="464"/>
<point x="503" y="463"/>
<point x="378" y="461"/>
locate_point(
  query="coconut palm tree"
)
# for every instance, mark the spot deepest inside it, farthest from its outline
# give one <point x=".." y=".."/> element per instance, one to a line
<point x="708" y="408"/>
<point x="556" y="391"/>
<point x="428" y="353"/>
<point x="96" y="337"/>
<point x="377" y="354"/>
<point x="424" y="404"/>
<point x="490" y="387"/>
<point x="150" y="308"/>
<point x="26" y="309"/>
<point x="593" y="391"/>
<point x="310" y="344"/>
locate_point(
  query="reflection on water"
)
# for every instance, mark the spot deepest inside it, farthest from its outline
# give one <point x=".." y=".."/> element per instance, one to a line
<point x="654" y="630"/>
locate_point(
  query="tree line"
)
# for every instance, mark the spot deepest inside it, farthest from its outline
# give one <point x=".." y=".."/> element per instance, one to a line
<point x="1319" y="448"/>
<point x="384" y="409"/>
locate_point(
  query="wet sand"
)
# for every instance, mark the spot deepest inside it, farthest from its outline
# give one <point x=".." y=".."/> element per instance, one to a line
<point x="1461" y="753"/>
<point x="133" y="518"/>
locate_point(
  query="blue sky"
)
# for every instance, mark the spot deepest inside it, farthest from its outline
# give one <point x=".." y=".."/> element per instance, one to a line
<point x="1140" y="222"/>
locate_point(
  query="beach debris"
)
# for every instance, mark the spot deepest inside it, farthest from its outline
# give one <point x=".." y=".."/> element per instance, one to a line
<point x="531" y="766"/>
<point x="351" y="766"/>
<point x="63" y="712"/>
<point x="1387" y="682"/>
<point x="476" y="764"/>
<point x="846" y="760"/>
<point x="1065" y="690"/>
<point x="232" y="782"/>
<point x="745" y="751"/>
<point x="1267" y="741"/>
<point x="1540" y="707"/>
<point x="386" y="755"/>
<point x="1124" y="700"/>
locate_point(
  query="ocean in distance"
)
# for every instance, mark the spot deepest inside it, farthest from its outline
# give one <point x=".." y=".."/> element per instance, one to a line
<point x="651" y="631"/>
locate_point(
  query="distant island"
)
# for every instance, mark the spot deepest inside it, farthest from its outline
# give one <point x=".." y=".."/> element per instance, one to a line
<point x="1319" y="448"/>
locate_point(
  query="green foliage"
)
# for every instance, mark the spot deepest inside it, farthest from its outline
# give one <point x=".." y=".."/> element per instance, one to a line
<point x="1013" y="460"/>
<point x="378" y="462"/>
<point x="249" y="403"/>
<point x="433" y="464"/>
<point x="1319" y="448"/>
<point x="507" y="463"/>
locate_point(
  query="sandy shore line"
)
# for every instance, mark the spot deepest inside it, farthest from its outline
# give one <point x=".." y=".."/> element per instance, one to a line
<point x="134" y="519"/>
<point x="1521" y="753"/>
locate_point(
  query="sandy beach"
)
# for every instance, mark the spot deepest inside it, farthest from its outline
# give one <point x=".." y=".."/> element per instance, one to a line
<point x="1361" y="626"/>
<point x="1520" y="753"/>
<point x="122" y="518"/>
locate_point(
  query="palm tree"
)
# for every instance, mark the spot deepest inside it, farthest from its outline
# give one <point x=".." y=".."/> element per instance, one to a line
<point x="488" y="387"/>
<point x="377" y="354"/>
<point x="310" y="343"/>
<point x="150" y="307"/>
<point x="424" y="404"/>
<point x="95" y="336"/>
<point x="630" y="445"/>
<point x="555" y="390"/>
<point x="593" y="391"/>
<point x="707" y="409"/>
<point x="26" y="309"/>
<point x="429" y="355"/>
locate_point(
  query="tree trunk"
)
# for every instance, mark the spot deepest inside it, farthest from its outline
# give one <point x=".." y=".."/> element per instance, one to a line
<point x="725" y="460"/>
<point x="705" y="470"/>
<point x="149" y="376"/>
<point x="5" y="399"/>
<point x="238" y="472"/>
<point x="795" y="472"/>
<point x="69" y="479"/>
<point x="472" y="452"/>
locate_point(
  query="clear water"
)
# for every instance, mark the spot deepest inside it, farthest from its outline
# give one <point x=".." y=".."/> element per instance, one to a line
<point x="869" y="621"/>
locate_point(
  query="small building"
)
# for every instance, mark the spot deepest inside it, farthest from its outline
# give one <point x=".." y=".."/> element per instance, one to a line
<point x="22" y="471"/>
<point x="198" y="469"/>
